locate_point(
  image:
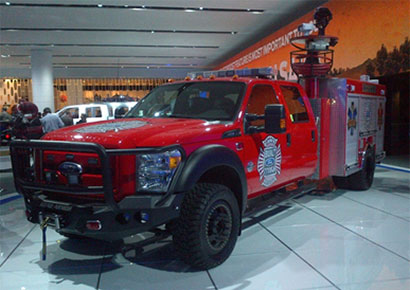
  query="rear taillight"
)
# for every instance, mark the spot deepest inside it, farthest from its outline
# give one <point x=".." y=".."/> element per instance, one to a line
<point x="94" y="225"/>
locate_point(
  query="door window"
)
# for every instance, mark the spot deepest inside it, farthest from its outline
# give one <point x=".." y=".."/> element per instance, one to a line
<point x="295" y="103"/>
<point x="93" y="112"/>
<point x="73" y="112"/>
<point x="261" y="96"/>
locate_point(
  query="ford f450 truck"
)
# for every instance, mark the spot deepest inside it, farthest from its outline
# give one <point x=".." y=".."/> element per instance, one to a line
<point x="199" y="154"/>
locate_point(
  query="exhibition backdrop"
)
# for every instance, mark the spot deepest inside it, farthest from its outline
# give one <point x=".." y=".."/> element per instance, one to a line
<point x="373" y="39"/>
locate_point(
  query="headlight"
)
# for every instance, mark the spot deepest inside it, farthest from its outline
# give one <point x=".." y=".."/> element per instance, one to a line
<point x="155" y="171"/>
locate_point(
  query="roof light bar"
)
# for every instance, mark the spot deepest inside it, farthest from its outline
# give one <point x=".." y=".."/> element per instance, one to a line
<point x="263" y="72"/>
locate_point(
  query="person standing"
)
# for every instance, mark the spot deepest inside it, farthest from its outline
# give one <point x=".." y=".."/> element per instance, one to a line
<point x="67" y="119"/>
<point x="28" y="109"/>
<point x="50" y="121"/>
<point x="83" y="119"/>
<point x="5" y="116"/>
<point x="5" y="119"/>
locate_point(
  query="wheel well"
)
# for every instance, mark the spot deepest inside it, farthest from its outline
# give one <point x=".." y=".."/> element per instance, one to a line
<point x="227" y="176"/>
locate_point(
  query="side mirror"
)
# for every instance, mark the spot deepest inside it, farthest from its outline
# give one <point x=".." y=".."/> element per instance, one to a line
<point x="275" y="121"/>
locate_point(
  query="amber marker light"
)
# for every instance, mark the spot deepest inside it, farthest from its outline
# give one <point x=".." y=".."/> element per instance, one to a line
<point x="212" y="77"/>
<point x="174" y="161"/>
<point x="199" y="77"/>
<point x="235" y="77"/>
<point x="282" y="123"/>
<point x="187" y="78"/>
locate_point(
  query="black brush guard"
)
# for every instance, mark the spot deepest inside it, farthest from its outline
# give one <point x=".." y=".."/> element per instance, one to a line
<point x="163" y="207"/>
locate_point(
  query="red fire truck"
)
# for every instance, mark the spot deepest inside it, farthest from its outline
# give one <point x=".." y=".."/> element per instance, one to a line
<point x="200" y="154"/>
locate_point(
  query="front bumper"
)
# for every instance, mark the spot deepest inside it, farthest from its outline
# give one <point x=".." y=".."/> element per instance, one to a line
<point x="136" y="214"/>
<point x="118" y="219"/>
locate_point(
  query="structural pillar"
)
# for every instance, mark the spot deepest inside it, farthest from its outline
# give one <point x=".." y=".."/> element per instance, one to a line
<point x="42" y="78"/>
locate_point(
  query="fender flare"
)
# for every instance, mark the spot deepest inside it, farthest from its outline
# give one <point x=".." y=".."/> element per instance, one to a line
<point x="206" y="158"/>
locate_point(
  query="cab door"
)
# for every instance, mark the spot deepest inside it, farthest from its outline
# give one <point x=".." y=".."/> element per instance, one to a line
<point x="266" y="156"/>
<point x="301" y="134"/>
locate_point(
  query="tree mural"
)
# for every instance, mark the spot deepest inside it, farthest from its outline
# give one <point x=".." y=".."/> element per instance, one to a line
<point x="385" y="63"/>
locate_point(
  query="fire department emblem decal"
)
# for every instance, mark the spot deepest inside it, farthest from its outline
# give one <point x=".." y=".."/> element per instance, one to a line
<point x="269" y="161"/>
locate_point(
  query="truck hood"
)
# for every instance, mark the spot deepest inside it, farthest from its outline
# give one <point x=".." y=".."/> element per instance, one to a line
<point x="131" y="133"/>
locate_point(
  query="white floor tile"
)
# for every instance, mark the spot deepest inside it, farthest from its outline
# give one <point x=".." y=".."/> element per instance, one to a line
<point x="342" y="210"/>
<point x="392" y="182"/>
<point x="151" y="276"/>
<point x="68" y="264"/>
<point x="67" y="255"/>
<point x="376" y="285"/>
<point x="39" y="281"/>
<point x="294" y="216"/>
<point x="282" y="270"/>
<point x="13" y="227"/>
<point x="400" y="248"/>
<point x="396" y="205"/>
<point x="312" y="237"/>
<point x="390" y="229"/>
<point x="357" y="263"/>
<point x="256" y="240"/>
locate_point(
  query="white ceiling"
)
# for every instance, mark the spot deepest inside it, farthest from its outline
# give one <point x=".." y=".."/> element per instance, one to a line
<point x="124" y="39"/>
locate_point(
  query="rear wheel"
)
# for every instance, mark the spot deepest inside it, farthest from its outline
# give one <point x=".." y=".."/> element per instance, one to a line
<point x="361" y="180"/>
<point x="208" y="226"/>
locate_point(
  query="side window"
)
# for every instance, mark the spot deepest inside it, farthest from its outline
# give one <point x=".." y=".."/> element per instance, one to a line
<point x="62" y="112"/>
<point x="98" y="113"/>
<point x="296" y="106"/>
<point x="93" y="112"/>
<point x="73" y="112"/>
<point x="261" y="96"/>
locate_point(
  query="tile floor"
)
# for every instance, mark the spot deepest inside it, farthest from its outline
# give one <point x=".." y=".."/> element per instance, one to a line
<point x="341" y="240"/>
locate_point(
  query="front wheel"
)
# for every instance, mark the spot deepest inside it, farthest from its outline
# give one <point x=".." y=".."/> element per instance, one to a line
<point x="208" y="226"/>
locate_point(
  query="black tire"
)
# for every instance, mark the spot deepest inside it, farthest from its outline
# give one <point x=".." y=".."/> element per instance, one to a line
<point x="341" y="182"/>
<point x="208" y="226"/>
<point x="361" y="180"/>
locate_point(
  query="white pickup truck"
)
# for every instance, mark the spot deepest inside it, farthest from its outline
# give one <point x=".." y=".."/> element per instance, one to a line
<point x="97" y="111"/>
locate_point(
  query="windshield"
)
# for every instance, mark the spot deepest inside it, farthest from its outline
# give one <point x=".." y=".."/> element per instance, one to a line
<point x="211" y="100"/>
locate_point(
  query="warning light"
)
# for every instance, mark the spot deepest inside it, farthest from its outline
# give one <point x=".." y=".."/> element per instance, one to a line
<point x="263" y="72"/>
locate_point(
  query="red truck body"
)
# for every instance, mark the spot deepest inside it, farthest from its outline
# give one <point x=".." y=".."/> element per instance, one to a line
<point x="200" y="154"/>
<point x="114" y="178"/>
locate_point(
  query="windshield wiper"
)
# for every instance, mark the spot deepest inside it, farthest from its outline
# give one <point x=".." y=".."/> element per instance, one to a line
<point x="184" y="117"/>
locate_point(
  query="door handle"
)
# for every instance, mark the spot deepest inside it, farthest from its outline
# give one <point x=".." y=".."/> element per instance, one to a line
<point x="288" y="139"/>
<point x="313" y="136"/>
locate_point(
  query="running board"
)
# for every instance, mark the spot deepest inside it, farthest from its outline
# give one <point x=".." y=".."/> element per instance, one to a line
<point x="262" y="202"/>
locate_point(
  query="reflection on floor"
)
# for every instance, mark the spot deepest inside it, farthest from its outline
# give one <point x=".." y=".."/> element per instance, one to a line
<point x="341" y="240"/>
